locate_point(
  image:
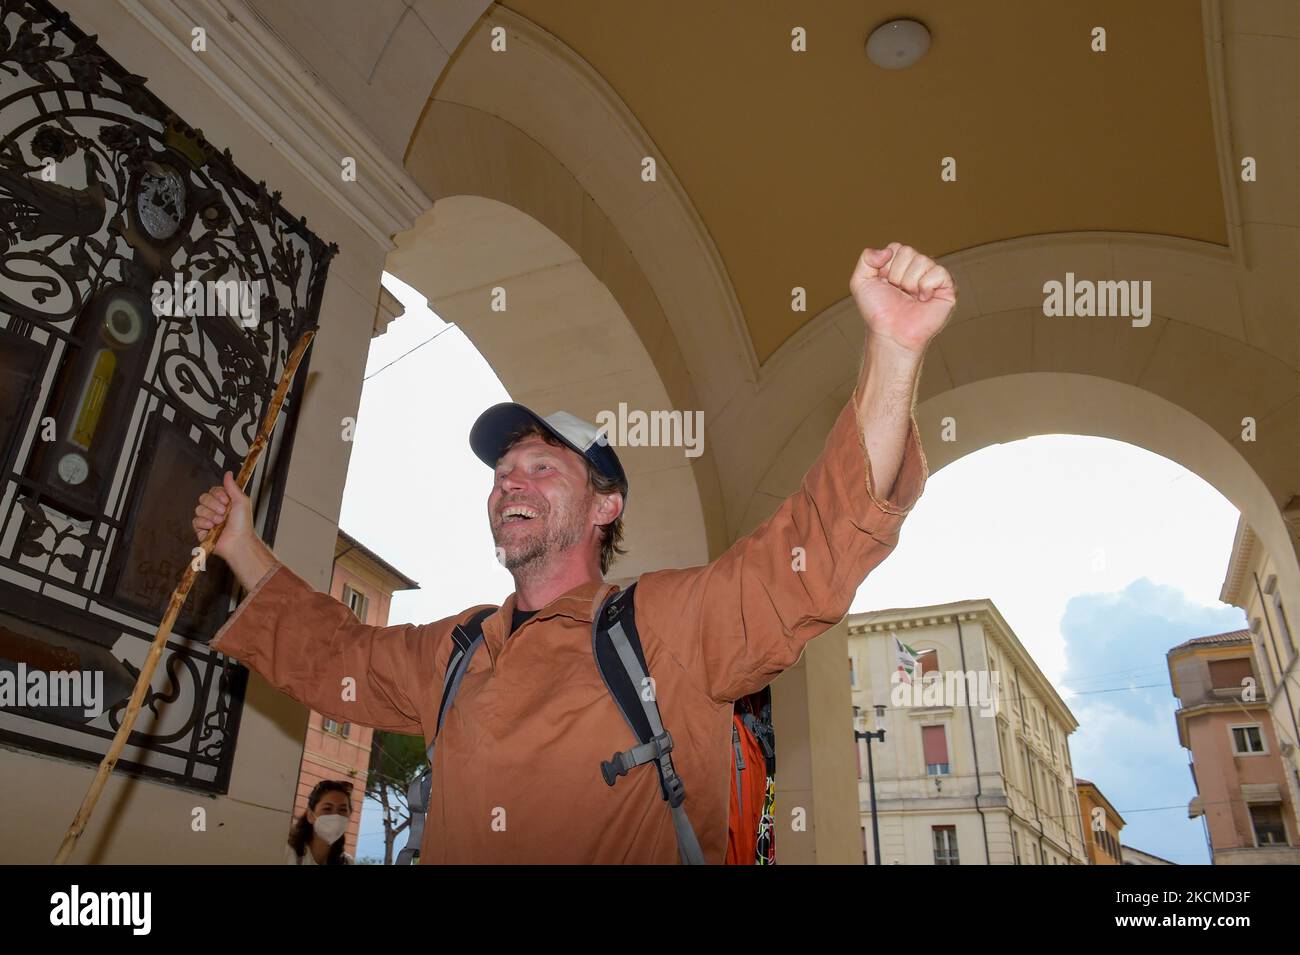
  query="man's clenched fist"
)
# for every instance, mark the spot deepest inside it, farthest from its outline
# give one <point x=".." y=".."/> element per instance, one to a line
<point x="225" y="502"/>
<point x="903" y="295"/>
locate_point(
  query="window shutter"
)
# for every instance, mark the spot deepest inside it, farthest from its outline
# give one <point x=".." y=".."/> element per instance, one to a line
<point x="929" y="661"/>
<point x="1228" y="674"/>
<point x="935" y="744"/>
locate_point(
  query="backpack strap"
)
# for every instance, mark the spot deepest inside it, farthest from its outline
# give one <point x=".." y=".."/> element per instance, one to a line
<point x="622" y="666"/>
<point x="465" y="640"/>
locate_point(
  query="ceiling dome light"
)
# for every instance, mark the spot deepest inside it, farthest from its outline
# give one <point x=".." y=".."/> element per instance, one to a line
<point x="897" y="44"/>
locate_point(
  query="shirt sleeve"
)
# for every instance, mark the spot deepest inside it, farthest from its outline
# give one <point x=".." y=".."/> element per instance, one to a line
<point x="741" y="620"/>
<point x="310" y="646"/>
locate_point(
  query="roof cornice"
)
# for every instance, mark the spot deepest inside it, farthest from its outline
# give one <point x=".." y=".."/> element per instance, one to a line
<point x="1239" y="559"/>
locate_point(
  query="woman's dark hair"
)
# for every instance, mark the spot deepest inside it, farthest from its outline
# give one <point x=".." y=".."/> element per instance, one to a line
<point x="302" y="830"/>
<point x="611" y="534"/>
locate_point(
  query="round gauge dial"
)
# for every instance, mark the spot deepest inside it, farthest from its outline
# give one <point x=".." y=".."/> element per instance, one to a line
<point x="123" y="323"/>
<point x="73" y="468"/>
<point x="160" y="201"/>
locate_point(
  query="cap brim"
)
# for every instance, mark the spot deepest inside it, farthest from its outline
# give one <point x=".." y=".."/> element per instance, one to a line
<point x="488" y="437"/>
<point x="496" y="425"/>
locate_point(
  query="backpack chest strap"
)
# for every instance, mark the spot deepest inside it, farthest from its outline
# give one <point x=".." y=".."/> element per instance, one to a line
<point x="621" y="662"/>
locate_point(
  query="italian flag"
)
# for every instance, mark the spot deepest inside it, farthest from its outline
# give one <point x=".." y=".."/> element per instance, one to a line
<point x="906" y="660"/>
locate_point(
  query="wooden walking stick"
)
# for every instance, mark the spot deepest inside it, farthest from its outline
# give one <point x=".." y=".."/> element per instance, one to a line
<point x="174" y="608"/>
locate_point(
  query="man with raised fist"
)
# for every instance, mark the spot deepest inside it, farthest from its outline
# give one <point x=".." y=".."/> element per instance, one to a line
<point x="516" y="773"/>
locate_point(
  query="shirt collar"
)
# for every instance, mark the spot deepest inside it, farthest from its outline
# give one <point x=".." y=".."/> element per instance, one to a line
<point x="580" y="604"/>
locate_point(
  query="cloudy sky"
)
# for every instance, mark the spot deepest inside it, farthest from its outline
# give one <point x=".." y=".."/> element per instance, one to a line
<point x="1111" y="556"/>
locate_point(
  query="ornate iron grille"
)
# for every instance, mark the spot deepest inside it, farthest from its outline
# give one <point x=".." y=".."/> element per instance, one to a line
<point x="115" y="413"/>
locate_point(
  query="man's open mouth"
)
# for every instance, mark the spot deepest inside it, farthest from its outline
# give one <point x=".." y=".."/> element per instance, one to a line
<point x="517" y="513"/>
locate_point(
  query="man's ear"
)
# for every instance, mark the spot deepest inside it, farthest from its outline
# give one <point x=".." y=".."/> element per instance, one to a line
<point x="611" y="506"/>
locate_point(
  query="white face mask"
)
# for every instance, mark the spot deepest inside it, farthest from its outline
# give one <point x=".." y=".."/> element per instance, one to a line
<point x="330" y="828"/>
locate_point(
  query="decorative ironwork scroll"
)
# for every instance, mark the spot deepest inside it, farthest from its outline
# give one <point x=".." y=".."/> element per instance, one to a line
<point x="119" y="403"/>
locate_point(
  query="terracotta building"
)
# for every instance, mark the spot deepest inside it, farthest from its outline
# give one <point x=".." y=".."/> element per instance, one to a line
<point x="1223" y="720"/>
<point x="1102" y="823"/>
<point x="365" y="582"/>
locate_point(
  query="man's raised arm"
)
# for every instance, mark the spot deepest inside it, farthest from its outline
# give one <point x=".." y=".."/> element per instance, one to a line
<point x="742" y="619"/>
<point x="905" y="299"/>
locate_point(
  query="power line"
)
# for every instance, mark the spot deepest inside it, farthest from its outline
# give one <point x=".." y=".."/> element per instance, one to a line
<point x="1117" y="689"/>
<point x="405" y="353"/>
<point x="1108" y="673"/>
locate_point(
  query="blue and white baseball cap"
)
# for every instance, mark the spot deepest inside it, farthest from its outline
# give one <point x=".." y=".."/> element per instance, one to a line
<point x="494" y="427"/>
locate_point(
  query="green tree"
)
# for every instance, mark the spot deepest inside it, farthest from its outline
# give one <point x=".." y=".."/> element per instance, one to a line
<point x="395" y="762"/>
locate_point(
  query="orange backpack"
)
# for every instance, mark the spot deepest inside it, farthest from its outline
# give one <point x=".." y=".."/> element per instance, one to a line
<point x="751" y="835"/>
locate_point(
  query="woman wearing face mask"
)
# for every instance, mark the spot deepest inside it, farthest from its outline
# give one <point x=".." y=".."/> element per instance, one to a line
<point x="317" y="836"/>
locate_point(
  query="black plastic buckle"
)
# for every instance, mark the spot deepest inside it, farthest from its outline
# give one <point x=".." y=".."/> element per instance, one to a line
<point x="621" y="763"/>
<point x="616" y="766"/>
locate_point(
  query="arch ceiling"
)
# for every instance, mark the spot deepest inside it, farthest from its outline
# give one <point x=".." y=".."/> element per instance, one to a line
<point x="795" y="161"/>
<point x="775" y="168"/>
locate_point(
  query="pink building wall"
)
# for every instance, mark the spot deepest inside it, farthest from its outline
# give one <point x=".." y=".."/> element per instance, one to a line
<point x="1220" y="775"/>
<point x="328" y="755"/>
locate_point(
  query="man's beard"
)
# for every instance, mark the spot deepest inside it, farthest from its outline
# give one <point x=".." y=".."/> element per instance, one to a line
<point x="565" y="527"/>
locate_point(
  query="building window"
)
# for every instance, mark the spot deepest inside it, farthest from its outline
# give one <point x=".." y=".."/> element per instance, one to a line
<point x="929" y="661"/>
<point x="1247" y="740"/>
<point x="866" y="853"/>
<point x="1230" y="674"/>
<point x="1107" y="843"/>
<point x="945" y="845"/>
<point x="853" y="677"/>
<point x="336" y="728"/>
<point x="934" y="742"/>
<point x="1015" y="847"/>
<point x="1268" y="825"/>
<point x="356" y="601"/>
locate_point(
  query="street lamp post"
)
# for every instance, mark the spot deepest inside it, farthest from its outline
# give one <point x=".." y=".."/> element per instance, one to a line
<point x="871" y="774"/>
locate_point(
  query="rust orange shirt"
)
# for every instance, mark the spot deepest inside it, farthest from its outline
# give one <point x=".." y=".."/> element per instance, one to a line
<point x="516" y="774"/>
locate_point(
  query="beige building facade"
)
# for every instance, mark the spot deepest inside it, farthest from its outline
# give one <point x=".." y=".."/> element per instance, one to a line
<point x="1132" y="856"/>
<point x="975" y="767"/>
